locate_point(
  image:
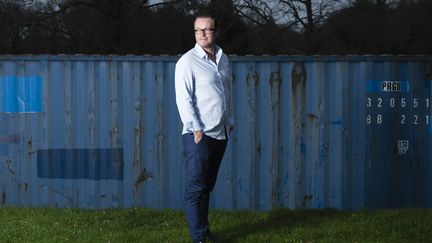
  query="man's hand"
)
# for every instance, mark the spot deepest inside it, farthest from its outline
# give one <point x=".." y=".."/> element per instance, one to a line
<point x="198" y="136"/>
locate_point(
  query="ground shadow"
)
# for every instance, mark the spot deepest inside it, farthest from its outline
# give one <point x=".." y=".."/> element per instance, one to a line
<point x="277" y="218"/>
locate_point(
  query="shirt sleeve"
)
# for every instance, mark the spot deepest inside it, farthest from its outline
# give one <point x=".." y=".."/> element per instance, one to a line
<point x="184" y="90"/>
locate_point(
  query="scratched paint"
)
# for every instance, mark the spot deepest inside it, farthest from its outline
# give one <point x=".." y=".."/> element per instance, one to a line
<point x="312" y="132"/>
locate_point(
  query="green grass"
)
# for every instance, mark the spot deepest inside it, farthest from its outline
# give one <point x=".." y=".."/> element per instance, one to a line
<point x="278" y="225"/>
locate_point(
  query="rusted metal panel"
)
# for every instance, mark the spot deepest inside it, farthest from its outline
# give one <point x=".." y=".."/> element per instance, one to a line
<point x="311" y="132"/>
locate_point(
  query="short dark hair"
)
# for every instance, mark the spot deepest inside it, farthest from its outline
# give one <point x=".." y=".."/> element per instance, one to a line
<point x="207" y="15"/>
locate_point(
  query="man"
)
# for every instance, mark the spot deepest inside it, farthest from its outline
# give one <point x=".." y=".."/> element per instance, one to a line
<point x="203" y="87"/>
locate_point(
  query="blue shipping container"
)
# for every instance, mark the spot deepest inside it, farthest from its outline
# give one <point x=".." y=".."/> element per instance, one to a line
<point x="345" y="132"/>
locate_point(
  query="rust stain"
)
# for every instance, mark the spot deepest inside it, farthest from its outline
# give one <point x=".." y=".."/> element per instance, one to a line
<point x="312" y="116"/>
<point x="113" y="133"/>
<point x="252" y="82"/>
<point x="259" y="149"/>
<point x="298" y="75"/>
<point x="298" y="129"/>
<point x="275" y="83"/>
<point x="307" y="200"/>
<point x="137" y="146"/>
<point x="298" y="84"/>
<point x="9" y="162"/>
<point x="275" y="79"/>
<point x="137" y="156"/>
<point x="252" y="79"/>
<point x="22" y="186"/>
<point x="137" y="105"/>
<point x="143" y="177"/>
<point x="30" y="150"/>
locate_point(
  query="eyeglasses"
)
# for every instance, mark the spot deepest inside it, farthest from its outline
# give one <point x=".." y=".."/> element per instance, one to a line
<point x="203" y="31"/>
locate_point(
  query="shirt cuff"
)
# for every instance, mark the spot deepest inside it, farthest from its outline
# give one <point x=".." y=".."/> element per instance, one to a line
<point x="193" y="126"/>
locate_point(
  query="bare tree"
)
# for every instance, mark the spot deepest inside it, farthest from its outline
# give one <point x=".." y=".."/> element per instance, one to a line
<point x="380" y="4"/>
<point x="305" y="16"/>
<point x="391" y="27"/>
<point x="248" y="26"/>
<point x="14" y="25"/>
<point x="99" y="25"/>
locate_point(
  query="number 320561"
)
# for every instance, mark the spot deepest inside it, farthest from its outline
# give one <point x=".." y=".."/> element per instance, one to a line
<point x="404" y="119"/>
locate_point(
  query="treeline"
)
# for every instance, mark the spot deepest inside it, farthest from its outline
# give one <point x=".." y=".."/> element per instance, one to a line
<point x="247" y="26"/>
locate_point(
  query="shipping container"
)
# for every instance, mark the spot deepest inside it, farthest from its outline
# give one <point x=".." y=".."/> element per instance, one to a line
<point x="345" y="132"/>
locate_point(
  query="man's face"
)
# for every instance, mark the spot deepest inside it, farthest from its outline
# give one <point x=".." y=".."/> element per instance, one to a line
<point x="205" y="34"/>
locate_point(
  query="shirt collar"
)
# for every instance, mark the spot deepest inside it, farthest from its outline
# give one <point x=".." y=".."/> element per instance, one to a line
<point x="201" y="53"/>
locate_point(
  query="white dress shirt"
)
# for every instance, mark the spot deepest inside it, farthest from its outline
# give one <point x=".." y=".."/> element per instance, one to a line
<point x="203" y="92"/>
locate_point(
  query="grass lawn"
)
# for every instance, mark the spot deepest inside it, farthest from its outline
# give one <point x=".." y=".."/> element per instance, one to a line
<point x="278" y="225"/>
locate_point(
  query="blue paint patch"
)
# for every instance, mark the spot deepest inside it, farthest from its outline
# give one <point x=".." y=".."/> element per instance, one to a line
<point x="93" y="164"/>
<point x="380" y="86"/>
<point x="20" y="94"/>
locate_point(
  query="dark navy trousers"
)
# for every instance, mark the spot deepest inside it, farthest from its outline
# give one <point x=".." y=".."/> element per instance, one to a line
<point x="202" y="165"/>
